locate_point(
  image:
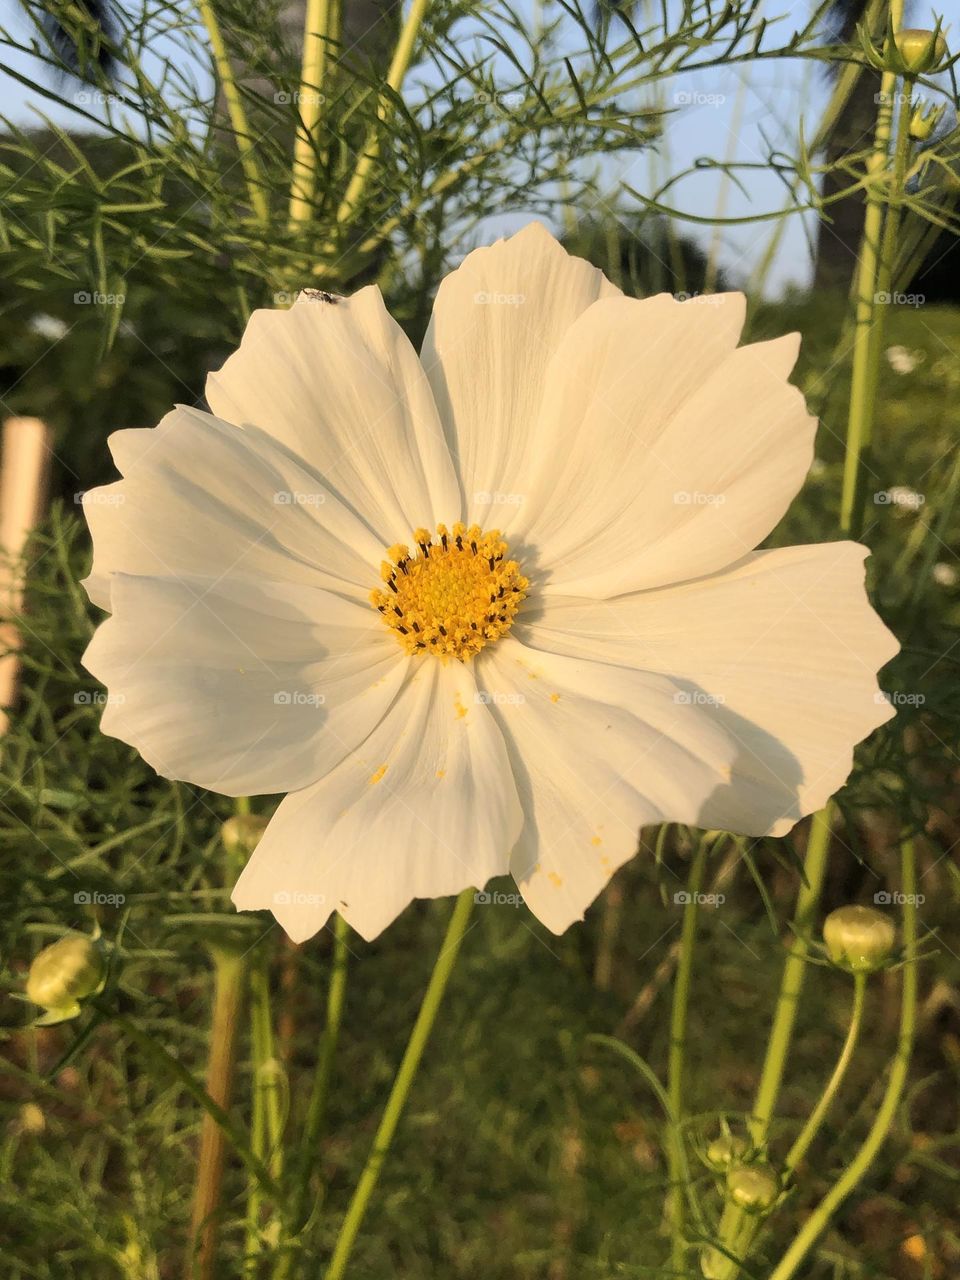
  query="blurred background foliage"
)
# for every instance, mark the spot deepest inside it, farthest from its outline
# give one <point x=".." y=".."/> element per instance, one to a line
<point x="529" y="1152"/>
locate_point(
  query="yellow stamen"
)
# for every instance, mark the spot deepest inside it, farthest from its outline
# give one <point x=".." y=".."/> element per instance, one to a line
<point x="457" y="594"/>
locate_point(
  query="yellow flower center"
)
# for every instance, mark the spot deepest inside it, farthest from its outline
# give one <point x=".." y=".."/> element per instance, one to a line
<point x="457" y="593"/>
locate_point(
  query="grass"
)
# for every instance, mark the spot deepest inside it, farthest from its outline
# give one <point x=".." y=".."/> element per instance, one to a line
<point x="528" y="1152"/>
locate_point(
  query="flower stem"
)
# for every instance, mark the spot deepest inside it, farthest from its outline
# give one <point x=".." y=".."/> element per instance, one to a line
<point x="676" y="1163"/>
<point x="874" y="266"/>
<point x="228" y="984"/>
<point x="817" y="1116"/>
<point x="321" y="1088"/>
<point x="733" y="1222"/>
<point x="401" y="1086"/>
<point x="319" y="28"/>
<point x="235" y="109"/>
<point x="791" y="985"/>
<point x="267" y="1119"/>
<point x="819" y="1219"/>
<point x="399" y="65"/>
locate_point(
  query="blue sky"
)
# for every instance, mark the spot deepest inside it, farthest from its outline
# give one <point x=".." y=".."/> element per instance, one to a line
<point x="714" y="114"/>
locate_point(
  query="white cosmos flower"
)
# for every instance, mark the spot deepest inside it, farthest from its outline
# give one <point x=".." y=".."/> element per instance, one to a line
<point x="641" y="663"/>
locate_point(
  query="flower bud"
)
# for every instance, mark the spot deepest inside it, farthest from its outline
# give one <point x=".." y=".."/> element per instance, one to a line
<point x="924" y="120"/>
<point x="714" y="1264"/>
<point x="725" y="1151"/>
<point x="859" y="938"/>
<point x="920" y="50"/>
<point x="65" y="973"/>
<point x="241" y="833"/>
<point x="753" y="1187"/>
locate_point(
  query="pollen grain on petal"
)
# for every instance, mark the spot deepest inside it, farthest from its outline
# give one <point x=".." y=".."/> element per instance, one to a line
<point x="457" y="593"/>
<point x="378" y="776"/>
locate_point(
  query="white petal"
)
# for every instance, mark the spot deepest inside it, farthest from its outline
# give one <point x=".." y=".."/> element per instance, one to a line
<point x="424" y="808"/>
<point x="496" y="322"/>
<point x="239" y="686"/>
<point x="674" y="454"/>
<point x="781" y="650"/>
<point x="202" y="498"/>
<point x="339" y="384"/>
<point x="598" y="752"/>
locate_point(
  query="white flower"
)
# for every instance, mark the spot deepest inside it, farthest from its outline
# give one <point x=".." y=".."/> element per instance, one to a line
<point x="616" y="655"/>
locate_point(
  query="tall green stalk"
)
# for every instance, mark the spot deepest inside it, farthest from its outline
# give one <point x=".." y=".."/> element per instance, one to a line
<point x="256" y="192"/>
<point x="401" y="1086"/>
<point x="300" y="1197"/>
<point x="875" y="263"/>
<point x="853" y="1174"/>
<point x="676" y="1163"/>
<point x="320" y="29"/>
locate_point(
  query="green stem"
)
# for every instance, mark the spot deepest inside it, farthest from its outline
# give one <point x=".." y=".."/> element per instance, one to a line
<point x="317" y="33"/>
<point x="401" y="1085"/>
<point x="267" y="1118"/>
<point x="321" y="1087"/>
<point x="817" y="1116"/>
<point x="676" y="1203"/>
<point x="399" y="66"/>
<point x="238" y="117"/>
<point x="733" y="1221"/>
<point x="860" y="1164"/>
<point x="869" y="313"/>
<point x="794" y="972"/>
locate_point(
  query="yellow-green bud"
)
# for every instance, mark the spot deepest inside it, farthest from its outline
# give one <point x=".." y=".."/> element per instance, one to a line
<point x="726" y="1150"/>
<point x="920" y="50"/>
<point x="65" y="973"/>
<point x="923" y="121"/>
<point x="753" y="1187"/>
<point x="714" y="1264"/>
<point x="859" y="938"/>
<point x="241" y="833"/>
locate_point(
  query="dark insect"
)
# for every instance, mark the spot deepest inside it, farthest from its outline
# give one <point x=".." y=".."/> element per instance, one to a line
<point x="318" y="295"/>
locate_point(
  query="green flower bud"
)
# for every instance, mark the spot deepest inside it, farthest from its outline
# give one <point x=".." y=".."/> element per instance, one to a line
<point x="726" y="1150"/>
<point x="924" y="121"/>
<point x="754" y="1188"/>
<point x="859" y="938"/>
<point x="241" y="834"/>
<point x="714" y="1264"/>
<point x="65" y="973"/>
<point x="920" y="50"/>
